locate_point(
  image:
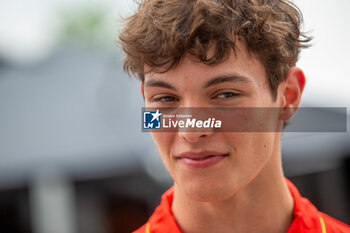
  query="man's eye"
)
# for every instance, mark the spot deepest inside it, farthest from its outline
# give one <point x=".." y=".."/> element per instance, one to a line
<point x="226" y="95"/>
<point x="164" y="99"/>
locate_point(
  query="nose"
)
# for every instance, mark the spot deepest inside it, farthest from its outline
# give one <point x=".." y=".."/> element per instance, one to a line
<point x="197" y="107"/>
<point x="196" y="132"/>
<point x="194" y="137"/>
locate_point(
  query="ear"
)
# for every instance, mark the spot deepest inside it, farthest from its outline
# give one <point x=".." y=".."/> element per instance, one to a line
<point x="141" y="90"/>
<point x="291" y="91"/>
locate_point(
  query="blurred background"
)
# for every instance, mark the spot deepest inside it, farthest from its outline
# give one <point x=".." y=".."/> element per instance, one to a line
<point x="72" y="154"/>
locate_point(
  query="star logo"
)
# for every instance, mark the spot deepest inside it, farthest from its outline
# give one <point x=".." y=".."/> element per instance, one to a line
<point x="156" y="115"/>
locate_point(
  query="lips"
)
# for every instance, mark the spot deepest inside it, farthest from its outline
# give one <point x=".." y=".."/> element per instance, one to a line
<point x="203" y="159"/>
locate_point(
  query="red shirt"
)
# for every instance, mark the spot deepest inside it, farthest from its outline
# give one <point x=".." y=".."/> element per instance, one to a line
<point x="307" y="219"/>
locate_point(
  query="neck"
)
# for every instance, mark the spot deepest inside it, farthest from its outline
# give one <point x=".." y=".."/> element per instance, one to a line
<point x="264" y="205"/>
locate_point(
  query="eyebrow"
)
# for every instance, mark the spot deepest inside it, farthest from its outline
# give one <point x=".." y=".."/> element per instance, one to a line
<point x="226" y="78"/>
<point x="157" y="83"/>
<point x="214" y="81"/>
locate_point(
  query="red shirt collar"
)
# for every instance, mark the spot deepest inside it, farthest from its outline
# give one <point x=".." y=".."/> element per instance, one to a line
<point x="305" y="216"/>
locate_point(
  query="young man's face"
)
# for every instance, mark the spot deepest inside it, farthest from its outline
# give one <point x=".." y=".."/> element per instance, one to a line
<point x="210" y="166"/>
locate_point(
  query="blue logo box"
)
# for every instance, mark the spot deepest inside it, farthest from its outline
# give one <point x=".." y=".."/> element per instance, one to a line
<point x="152" y="120"/>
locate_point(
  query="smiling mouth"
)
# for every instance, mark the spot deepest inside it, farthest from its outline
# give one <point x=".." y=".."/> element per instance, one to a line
<point x="200" y="160"/>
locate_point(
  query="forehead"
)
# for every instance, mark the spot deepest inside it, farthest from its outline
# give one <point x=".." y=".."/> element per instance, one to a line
<point x="240" y="63"/>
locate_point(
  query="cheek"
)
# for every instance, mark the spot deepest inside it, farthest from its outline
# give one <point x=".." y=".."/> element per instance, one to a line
<point x="163" y="143"/>
<point x="251" y="150"/>
<point x="260" y="149"/>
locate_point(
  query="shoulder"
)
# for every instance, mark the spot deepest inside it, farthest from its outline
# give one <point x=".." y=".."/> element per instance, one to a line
<point x="308" y="219"/>
<point x="332" y="225"/>
<point x="162" y="219"/>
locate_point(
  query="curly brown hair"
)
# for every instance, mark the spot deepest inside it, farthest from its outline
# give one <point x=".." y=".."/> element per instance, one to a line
<point x="161" y="31"/>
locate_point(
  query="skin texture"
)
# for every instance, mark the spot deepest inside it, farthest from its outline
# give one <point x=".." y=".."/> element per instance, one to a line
<point x="245" y="191"/>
